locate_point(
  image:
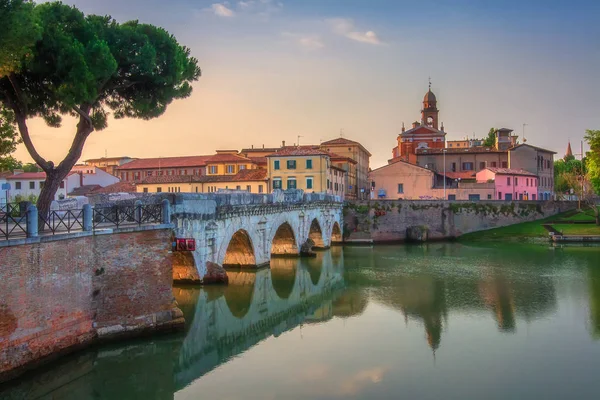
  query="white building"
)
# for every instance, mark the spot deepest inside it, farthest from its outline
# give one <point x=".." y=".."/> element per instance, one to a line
<point x="336" y="178"/>
<point x="28" y="185"/>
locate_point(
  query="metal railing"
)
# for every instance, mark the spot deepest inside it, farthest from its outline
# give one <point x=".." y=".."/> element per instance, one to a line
<point x="16" y="223"/>
<point x="13" y="222"/>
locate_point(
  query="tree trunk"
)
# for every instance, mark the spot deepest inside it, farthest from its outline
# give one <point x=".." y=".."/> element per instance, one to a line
<point x="53" y="180"/>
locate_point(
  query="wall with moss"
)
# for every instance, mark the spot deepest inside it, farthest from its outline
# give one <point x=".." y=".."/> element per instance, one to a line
<point x="388" y="220"/>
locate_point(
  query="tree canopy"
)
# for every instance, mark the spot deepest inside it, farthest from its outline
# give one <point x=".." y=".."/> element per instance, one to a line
<point x="490" y="140"/>
<point x="592" y="137"/>
<point x="88" y="67"/>
<point x="19" y="33"/>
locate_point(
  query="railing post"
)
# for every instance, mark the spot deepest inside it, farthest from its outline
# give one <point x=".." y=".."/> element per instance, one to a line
<point x="166" y="211"/>
<point x="138" y="211"/>
<point x="32" y="221"/>
<point x="88" y="217"/>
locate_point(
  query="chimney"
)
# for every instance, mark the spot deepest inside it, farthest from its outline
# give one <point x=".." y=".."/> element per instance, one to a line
<point x="263" y="145"/>
<point x="252" y="146"/>
<point x="415" y="124"/>
<point x="17" y="171"/>
<point x="283" y="143"/>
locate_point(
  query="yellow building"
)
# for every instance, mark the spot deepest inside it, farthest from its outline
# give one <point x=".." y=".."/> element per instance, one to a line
<point x="228" y="162"/>
<point x="358" y="175"/>
<point x="249" y="180"/>
<point x="305" y="168"/>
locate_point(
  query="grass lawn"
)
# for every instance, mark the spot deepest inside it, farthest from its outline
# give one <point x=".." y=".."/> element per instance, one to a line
<point x="526" y="229"/>
<point x="580" y="216"/>
<point x="578" y="229"/>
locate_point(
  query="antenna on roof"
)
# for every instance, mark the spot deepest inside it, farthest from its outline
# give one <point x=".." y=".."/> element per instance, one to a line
<point x="524" y="139"/>
<point x="430" y="83"/>
<point x="299" y="136"/>
<point x="342" y="132"/>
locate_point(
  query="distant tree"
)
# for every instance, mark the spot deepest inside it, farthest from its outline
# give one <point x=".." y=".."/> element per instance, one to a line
<point x="8" y="140"/>
<point x="582" y="187"/>
<point x="9" y="164"/>
<point x="490" y="140"/>
<point x="87" y="67"/>
<point x="31" y="167"/>
<point x="592" y="137"/>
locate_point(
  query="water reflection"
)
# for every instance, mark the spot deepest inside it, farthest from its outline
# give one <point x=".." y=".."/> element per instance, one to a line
<point x="362" y="322"/>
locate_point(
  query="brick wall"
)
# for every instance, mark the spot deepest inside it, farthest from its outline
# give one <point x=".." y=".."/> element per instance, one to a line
<point x="388" y="220"/>
<point x="59" y="295"/>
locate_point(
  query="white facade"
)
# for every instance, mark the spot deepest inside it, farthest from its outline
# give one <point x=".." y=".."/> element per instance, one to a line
<point x="336" y="178"/>
<point x="95" y="176"/>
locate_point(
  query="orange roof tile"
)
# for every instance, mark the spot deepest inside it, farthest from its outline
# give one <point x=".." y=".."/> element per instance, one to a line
<point x="227" y="157"/>
<point x="165" y="162"/>
<point x="299" y="151"/>
<point x="119" y="187"/>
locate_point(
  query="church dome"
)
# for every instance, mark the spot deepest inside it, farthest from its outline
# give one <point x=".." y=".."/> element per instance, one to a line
<point x="429" y="97"/>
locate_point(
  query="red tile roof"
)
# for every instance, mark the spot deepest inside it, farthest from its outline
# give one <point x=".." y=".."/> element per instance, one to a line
<point x="510" y="171"/>
<point x="343" y="141"/>
<point x="245" y="175"/>
<point x="119" y="187"/>
<point x="108" y="159"/>
<point x="337" y="157"/>
<point x="165" y="162"/>
<point x="28" y="175"/>
<point x="259" y="150"/>
<point x="533" y="147"/>
<point x="459" y="175"/>
<point x="299" y="151"/>
<point x="259" y="160"/>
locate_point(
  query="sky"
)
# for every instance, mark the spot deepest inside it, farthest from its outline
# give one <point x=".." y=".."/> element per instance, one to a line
<point x="310" y="70"/>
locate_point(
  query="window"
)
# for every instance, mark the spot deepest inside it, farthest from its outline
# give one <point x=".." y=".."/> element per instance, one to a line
<point x="474" y="197"/>
<point x="238" y="187"/>
<point x="467" y="166"/>
<point x="62" y="185"/>
<point x="158" y="189"/>
<point x="309" y="164"/>
<point x="159" y="173"/>
<point x="489" y="196"/>
<point x="260" y="188"/>
<point x="335" y="187"/>
<point x="482" y="165"/>
<point x="18" y="185"/>
<point x="291" y="183"/>
<point x="241" y="167"/>
<point x="508" y="197"/>
<point x="276" y="164"/>
<point x="196" y="189"/>
<point x="328" y="184"/>
<point x="148" y="173"/>
<point x="277" y="183"/>
<point x="533" y="197"/>
<point x="309" y="182"/>
<point x="499" y="195"/>
<point x="508" y="181"/>
<point x="516" y="181"/>
<point x="504" y="164"/>
<point x="521" y="196"/>
<point x="248" y="188"/>
<point x="145" y="190"/>
<point x="212" y="169"/>
<point x="291" y="164"/>
<point x="400" y="188"/>
<point x="451" y="197"/>
<point x="453" y="167"/>
<point x="32" y="185"/>
<point x="231" y="169"/>
<point x="494" y="164"/>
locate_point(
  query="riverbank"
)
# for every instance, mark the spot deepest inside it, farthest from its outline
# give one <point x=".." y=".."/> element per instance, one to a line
<point x="575" y="223"/>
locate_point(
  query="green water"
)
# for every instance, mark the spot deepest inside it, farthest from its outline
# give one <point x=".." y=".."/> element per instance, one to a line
<point x="441" y="321"/>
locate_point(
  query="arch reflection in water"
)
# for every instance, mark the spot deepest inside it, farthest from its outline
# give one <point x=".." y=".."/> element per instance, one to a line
<point x="255" y="305"/>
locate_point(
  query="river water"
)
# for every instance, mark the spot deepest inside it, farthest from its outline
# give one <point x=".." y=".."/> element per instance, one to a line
<point x="495" y="321"/>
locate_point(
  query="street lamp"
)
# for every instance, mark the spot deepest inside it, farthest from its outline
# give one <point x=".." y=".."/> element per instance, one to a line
<point x="444" y="151"/>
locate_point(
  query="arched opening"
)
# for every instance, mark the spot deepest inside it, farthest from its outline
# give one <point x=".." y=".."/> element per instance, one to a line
<point x="239" y="292"/>
<point x="240" y="252"/>
<point x="316" y="235"/>
<point x="283" y="276"/>
<point x="336" y="234"/>
<point x="284" y="242"/>
<point x="184" y="268"/>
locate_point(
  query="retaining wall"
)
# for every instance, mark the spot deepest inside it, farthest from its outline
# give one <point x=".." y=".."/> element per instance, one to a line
<point x="388" y="220"/>
<point x="58" y="294"/>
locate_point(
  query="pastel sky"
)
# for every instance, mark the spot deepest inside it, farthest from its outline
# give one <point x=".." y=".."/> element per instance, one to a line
<point x="273" y="70"/>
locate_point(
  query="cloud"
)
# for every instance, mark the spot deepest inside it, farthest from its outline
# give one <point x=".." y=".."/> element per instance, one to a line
<point x="244" y="5"/>
<point x="345" y="27"/>
<point x="308" y="42"/>
<point x="221" y="10"/>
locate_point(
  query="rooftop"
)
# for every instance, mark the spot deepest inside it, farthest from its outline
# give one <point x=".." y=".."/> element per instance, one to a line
<point x="343" y="141"/>
<point x="510" y="171"/>
<point x="533" y="147"/>
<point x="165" y="162"/>
<point x="108" y="159"/>
<point x="226" y="157"/>
<point x="119" y="187"/>
<point x="459" y="150"/>
<point x="298" y="151"/>
<point x="245" y="175"/>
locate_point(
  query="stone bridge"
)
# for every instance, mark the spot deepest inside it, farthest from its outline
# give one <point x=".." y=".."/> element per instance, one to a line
<point x="256" y="304"/>
<point x="246" y="230"/>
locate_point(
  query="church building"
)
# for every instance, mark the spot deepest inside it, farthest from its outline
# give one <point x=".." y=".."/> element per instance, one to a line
<point x="426" y="134"/>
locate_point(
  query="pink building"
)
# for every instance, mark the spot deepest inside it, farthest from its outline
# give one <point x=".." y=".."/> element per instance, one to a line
<point x="510" y="184"/>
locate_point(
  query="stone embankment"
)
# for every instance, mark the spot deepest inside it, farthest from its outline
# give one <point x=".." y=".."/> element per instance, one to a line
<point x="67" y="292"/>
<point x="404" y="220"/>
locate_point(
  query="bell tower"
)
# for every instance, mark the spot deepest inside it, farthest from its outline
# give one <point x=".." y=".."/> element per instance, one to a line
<point x="430" y="112"/>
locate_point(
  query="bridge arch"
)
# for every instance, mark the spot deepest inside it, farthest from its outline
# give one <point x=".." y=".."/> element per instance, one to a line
<point x="239" y="251"/>
<point x="336" y="233"/>
<point x="284" y="241"/>
<point x="315" y="233"/>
